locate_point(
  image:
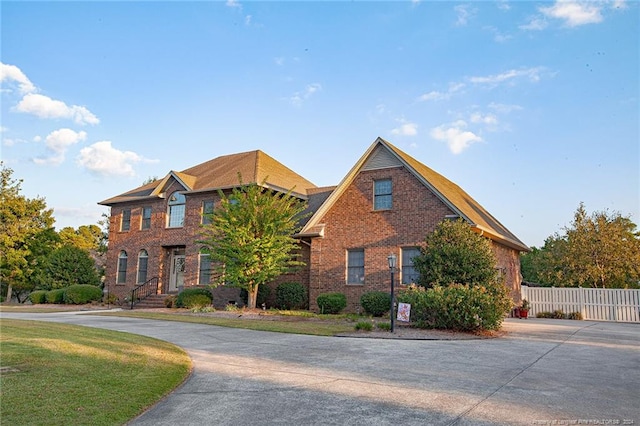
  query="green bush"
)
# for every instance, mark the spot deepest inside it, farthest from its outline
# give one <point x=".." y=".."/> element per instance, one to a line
<point x="261" y="298"/>
<point x="331" y="303"/>
<point x="376" y="303"/>
<point x="80" y="294"/>
<point x="55" y="296"/>
<point x="187" y="295"/>
<point x="38" y="296"/>
<point x="386" y="326"/>
<point x="458" y="307"/>
<point x="196" y="301"/>
<point x="291" y="296"/>
<point x="364" y="325"/>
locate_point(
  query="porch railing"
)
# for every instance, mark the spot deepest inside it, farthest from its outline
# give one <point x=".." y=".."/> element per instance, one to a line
<point x="144" y="290"/>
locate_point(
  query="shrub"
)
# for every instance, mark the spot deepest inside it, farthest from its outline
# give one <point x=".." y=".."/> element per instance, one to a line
<point x="38" y="296"/>
<point x="186" y="294"/>
<point x="196" y="301"/>
<point x="376" y="303"/>
<point x="261" y="298"/>
<point x="291" y="296"/>
<point x="170" y="301"/>
<point x="458" y="307"/>
<point x="80" y="294"/>
<point x="386" y="326"/>
<point x="364" y="325"/>
<point x="331" y="303"/>
<point x="55" y="296"/>
<point x="574" y="316"/>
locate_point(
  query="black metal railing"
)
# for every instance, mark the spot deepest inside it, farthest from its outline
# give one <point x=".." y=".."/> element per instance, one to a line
<point x="144" y="290"/>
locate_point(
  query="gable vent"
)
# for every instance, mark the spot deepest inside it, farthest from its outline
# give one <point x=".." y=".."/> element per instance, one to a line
<point x="381" y="158"/>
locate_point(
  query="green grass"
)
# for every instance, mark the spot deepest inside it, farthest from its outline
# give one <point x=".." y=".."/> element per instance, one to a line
<point x="62" y="374"/>
<point x="317" y="326"/>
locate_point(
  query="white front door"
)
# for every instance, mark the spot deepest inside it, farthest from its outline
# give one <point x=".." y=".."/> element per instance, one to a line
<point x="176" y="279"/>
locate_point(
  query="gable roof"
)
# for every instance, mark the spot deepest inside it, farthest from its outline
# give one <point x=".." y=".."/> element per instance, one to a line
<point x="222" y="173"/>
<point x="383" y="154"/>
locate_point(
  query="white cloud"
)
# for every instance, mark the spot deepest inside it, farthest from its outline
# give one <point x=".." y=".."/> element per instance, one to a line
<point x="12" y="142"/>
<point x="478" y="117"/>
<point x="3" y="129"/>
<point x="44" y="107"/>
<point x="279" y="61"/>
<point x="247" y="20"/>
<point x="454" y="134"/>
<point x="504" y="108"/>
<point x="532" y="74"/>
<point x="574" y="13"/>
<point x="536" y="23"/>
<point x="102" y="159"/>
<point x="11" y="73"/>
<point x="299" y="97"/>
<point x="234" y="4"/>
<point x="405" y="129"/>
<point x="438" y="96"/>
<point x="57" y="143"/>
<point x="464" y="13"/>
<point x="503" y="5"/>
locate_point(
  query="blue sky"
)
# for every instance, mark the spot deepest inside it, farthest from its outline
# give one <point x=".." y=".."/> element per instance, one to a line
<point x="531" y="107"/>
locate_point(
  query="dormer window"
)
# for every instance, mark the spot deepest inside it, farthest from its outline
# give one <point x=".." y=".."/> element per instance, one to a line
<point x="382" y="194"/>
<point x="176" y="210"/>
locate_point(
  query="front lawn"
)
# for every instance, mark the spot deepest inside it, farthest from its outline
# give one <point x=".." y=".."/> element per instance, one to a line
<point x="58" y="374"/>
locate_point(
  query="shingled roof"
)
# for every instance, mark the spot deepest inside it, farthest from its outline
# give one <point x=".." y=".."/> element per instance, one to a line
<point x="448" y="192"/>
<point x="222" y="173"/>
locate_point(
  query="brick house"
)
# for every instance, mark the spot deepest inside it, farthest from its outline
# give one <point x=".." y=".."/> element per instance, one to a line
<point x="386" y="204"/>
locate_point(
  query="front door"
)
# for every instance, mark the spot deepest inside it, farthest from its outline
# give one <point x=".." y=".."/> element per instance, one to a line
<point x="176" y="279"/>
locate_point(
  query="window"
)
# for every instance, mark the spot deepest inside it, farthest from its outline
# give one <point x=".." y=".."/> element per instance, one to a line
<point x="125" y="225"/>
<point x="207" y="211"/>
<point x="355" y="266"/>
<point x="146" y="218"/>
<point x="382" y="199"/>
<point x="122" y="268"/>
<point x="143" y="261"/>
<point x="204" y="274"/>
<point x="176" y="210"/>
<point x="409" y="273"/>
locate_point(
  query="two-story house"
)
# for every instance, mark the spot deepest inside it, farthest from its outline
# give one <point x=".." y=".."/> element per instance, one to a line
<point x="386" y="204"/>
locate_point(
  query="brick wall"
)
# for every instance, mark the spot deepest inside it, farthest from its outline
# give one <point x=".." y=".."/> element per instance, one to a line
<point x="352" y="223"/>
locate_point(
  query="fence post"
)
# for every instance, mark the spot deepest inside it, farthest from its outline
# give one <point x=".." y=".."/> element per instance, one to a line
<point x="583" y="309"/>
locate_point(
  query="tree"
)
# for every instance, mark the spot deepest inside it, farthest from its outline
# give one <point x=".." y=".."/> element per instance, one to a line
<point x="454" y="254"/>
<point x="86" y="237"/>
<point x="250" y="237"/>
<point x="21" y="220"/>
<point x="597" y="250"/>
<point x="69" y="265"/>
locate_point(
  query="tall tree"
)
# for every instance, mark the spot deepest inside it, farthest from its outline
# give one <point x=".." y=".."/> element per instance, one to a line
<point x="601" y="249"/>
<point x="86" y="237"/>
<point x="250" y="237"/>
<point x="21" y="220"/>
<point x="454" y="254"/>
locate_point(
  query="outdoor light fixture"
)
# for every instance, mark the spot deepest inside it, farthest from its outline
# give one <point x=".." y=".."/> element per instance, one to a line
<point x="392" y="265"/>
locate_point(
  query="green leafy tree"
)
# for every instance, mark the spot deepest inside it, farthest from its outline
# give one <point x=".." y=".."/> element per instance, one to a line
<point x="250" y="237"/>
<point x="21" y="221"/>
<point x="599" y="250"/>
<point x="86" y="237"/>
<point x="454" y="254"/>
<point x="69" y="265"/>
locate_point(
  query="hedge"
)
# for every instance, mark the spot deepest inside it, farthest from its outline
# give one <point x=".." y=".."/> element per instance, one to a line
<point x="38" y="296"/>
<point x="79" y="294"/>
<point x="331" y="303"/>
<point x="186" y="296"/>
<point x="291" y="296"/>
<point x="376" y="303"/>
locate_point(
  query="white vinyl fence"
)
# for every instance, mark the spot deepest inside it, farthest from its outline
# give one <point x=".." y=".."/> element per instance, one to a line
<point x="596" y="304"/>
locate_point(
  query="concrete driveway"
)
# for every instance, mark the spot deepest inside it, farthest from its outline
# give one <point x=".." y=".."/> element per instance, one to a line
<point x="551" y="372"/>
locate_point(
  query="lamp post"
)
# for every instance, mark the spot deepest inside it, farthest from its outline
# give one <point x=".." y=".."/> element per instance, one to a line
<point x="392" y="265"/>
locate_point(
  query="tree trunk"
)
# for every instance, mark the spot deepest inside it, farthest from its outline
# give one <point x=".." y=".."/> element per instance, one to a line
<point x="9" y="291"/>
<point x="252" y="296"/>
